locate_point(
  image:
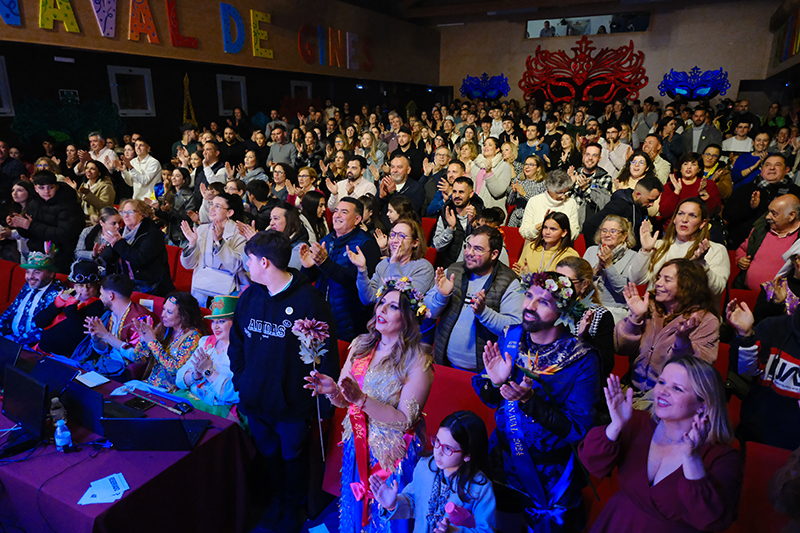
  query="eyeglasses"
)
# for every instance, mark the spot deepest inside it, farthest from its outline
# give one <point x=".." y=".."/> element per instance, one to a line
<point x="129" y="212"/>
<point x="713" y="156"/>
<point x="447" y="451"/>
<point x="278" y="173"/>
<point x="88" y="278"/>
<point x="610" y="231"/>
<point x="529" y="165"/>
<point x="396" y="235"/>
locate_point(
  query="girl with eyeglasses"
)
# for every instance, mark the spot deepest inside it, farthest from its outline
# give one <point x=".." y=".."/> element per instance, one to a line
<point x="449" y="488"/>
<point x="639" y="166"/>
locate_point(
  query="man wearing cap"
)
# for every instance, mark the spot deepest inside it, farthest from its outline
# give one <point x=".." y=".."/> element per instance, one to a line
<point x="188" y="140"/>
<point x="544" y="383"/>
<point x="53" y="222"/>
<point x="62" y="321"/>
<point x="18" y="323"/>
<point x="142" y="172"/>
<point x="206" y="380"/>
<point x="112" y="338"/>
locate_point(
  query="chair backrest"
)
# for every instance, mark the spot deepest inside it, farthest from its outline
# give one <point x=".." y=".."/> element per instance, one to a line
<point x="6" y="271"/>
<point x="452" y="391"/>
<point x="17" y="282"/>
<point x="514" y="243"/>
<point x="743" y="295"/>
<point x="734" y="267"/>
<point x="580" y="245"/>
<point x="174" y="258"/>
<point x="428" y="226"/>
<point x="158" y="301"/>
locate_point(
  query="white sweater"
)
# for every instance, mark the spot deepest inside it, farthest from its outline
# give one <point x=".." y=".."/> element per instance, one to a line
<point x="536" y="209"/>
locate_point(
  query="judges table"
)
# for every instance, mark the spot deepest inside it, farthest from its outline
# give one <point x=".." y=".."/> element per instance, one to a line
<point x="201" y="490"/>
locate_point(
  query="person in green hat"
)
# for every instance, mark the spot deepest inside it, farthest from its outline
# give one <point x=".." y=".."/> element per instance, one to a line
<point x="206" y="379"/>
<point x="40" y="290"/>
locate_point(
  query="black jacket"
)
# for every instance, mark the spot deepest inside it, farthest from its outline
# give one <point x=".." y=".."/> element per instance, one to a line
<point x="264" y="353"/>
<point x="146" y="258"/>
<point x="59" y="220"/>
<point x="741" y="217"/>
<point x="621" y="204"/>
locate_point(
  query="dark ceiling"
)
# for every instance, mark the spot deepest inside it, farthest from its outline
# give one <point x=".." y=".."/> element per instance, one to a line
<point x="436" y="12"/>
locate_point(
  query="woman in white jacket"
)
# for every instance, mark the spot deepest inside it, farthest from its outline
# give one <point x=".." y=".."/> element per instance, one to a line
<point x="216" y="251"/>
<point x="491" y="175"/>
<point x="555" y="198"/>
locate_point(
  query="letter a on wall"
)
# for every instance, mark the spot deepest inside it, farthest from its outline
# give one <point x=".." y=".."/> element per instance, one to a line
<point x="230" y="13"/>
<point x="105" y="11"/>
<point x="141" y="22"/>
<point x="257" y="17"/>
<point x="52" y="10"/>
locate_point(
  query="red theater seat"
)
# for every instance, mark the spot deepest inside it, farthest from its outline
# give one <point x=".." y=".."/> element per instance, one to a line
<point x="746" y="296"/>
<point x="428" y="227"/>
<point x="6" y="271"/>
<point x="580" y="245"/>
<point x="514" y="243"/>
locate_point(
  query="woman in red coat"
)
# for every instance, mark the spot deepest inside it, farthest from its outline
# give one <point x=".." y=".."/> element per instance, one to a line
<point x="689" y="183"/>
<point x="677" y="470"/>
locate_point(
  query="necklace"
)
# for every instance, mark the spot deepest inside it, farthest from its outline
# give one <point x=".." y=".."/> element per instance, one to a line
<point x="666" y="439"/>
<point x="440" y="493"/>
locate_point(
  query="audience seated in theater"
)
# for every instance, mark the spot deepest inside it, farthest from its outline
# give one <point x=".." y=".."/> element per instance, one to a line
<point x="188" y="140"/>
<point x="176" y="205"/>
<point x="454" y="222"/>
<point x="334" y="166"/>
<point x="62" y="321"/>
<point x="652" y="146"/>
<point x="168" y="346"/>
<point x="740" y="142"/>
<point x="747" y="167"/>
<point x="610" y="261"/>
<point x="433" y="173"/>
<point x="213" y="170"/>
<point x="492" y="217"/>
<point x="568" y="155"/>
<point x="231" y="149"/>
<point x="285" y="218"/>
<point x="551" y="245"/>
<point x="407" y="260"/>
<point x="407" y="149"/>
<point x="687" y="236"/>
<point x="215" y="251"/>
<point x="139" y="251"/>
<point x="783" y="491"/>
<point x="97" y="152"/>
<point x="143" y="171"/>
<point x="509" y="151"/>
<point x="783" y="145"/>
<point x="371" y="221"/>
<point x="97" y="192"/>
<point x="592" y="185"/>
<point x="443" y="187"/>
<point x="282" y="184"/>
<point x="717" y="171"/>
<point x="525" y="186"/>
<point x="313" y="210"/>
<point x="779" y="296"/>
<point x="281" y="151"/>
<point x="354" y="185"/>
<point x="261" y="203"/>
<point x="11" y="170"/>
<point x="539" y="422"/>
<point x="310" y="152"/>
<point x="206" y="380"/>
<point x="638" y="166"/>
<point x="491" y="175"/>
<point x="18" y="323"/>
<point x="677" y="317"/>
<point x="596" y="325"/>
<point x="474" y="299"/>
<point x="111" y="339"/>
<point x="554" y="200"/>
<point x="760" y="256"/>
<point x="374" y="157"/>
<point x="14" y="247"/>
<point x="614" y="154"/>
<point x="268" y="372"/>
<point x="306" y="182"/>
<point x="750" y="202"/>
<point x="680" y="453"/>
<point x="701" y="134"/>
<point x="689" y="183"/>
<point x="250" y="170"/>
<point x="327" y="263"/>
<point x="398" y="183"/>
<point x="671" y="139"/>
<point x="769" y="352"/>
<point x="53" y="218"/>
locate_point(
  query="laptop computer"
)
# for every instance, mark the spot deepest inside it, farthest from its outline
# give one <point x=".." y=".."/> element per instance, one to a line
<point x="86" y="407"/>
<point x="24" y="402"/>
<point x="9" y="353"/>
<point x="54" y="374"/>
<point x="154" y="434"/>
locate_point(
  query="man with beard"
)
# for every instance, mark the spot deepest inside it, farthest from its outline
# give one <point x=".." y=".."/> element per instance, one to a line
<point x="455" y="221"/>
<point x="534" y="144"/>
<point x="475" y="300"/>
<point x="592" y="184"/>
<point x="232" y="150"/>
<point x="701" y="134"/>
<point x="615" y="154"/>
<point x="355" y="185"/>
<point x="40" y="290"/>
<point x="444" y="186"/>
<point x="406" y="148"/>
<point x="592" y="134"/>
<point x="544" y="383"/>
<point x="398" y="182"/>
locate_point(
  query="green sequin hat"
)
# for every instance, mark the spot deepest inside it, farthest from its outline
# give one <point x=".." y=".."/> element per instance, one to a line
<point x="39" y="261"/>
<point x="222" y="307"/>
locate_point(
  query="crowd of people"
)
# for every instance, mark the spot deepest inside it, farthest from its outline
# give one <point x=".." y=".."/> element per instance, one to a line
<point x="309" y="231"/>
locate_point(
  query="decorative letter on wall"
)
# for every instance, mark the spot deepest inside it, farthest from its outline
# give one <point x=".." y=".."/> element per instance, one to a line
<point x="257" y="17"/>
<point x="141" y="22"/>
<point x="695" y="84"/>
<point x="304" y="43"/>
<point x="228" y="13"/>
<point x="369" y="63"/>
<point x="352" y="40"/>
<point x="105" y="11"/>
<point x="52" y="10"/>
<point x="336" y="48"/>
<point x="609" y="74"/>
<point x="485" y="87"/>
<point x="175" y="37"/>
<point x="9" y="12"/>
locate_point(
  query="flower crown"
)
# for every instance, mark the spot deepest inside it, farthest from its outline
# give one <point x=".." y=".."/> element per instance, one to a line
<point x="561" y="288"/>
<point x="404" y="285"/>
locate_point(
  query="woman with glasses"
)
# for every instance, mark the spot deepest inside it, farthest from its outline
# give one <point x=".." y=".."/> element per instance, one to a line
<point x="385" y="385"/>
<point x="717" y="171"/>
<point x="283" y="179"/>
<point x="407" y="260"/>
<point x="139" y="251"/>
<point x="524" y="187"/>
<point x="639" y="166"/>
<point x="611" y="261"/>
<point x="554" y="199"/>
<point x="45" y="163"/>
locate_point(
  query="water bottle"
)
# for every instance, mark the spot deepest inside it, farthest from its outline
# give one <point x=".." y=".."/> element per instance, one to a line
<point x="459" y="516"/>
<point x="63" y="436"/>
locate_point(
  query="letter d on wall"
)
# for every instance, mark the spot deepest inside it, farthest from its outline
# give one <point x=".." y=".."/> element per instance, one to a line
<point x="228" y="14"/>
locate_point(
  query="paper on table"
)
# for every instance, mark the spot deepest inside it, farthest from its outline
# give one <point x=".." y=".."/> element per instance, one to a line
<point x="92" y="379"/>
<point x="105" y="490"/>
<point x="322" y="528"/>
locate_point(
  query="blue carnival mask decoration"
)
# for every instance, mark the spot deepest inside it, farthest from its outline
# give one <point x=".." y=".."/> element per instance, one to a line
<point x="483" y="86"/>
<point x="695" y="84"/>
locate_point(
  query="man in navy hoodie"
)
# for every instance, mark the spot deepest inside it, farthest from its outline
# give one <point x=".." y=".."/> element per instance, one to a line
<point x="268" y="371"/>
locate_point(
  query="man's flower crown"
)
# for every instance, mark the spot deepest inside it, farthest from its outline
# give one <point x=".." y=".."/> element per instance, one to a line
<point x="404" y="285"/>
<point x="563" y="292"/>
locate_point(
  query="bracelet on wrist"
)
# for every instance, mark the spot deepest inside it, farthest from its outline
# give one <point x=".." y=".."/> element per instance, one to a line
<point x="363" y="402"/>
